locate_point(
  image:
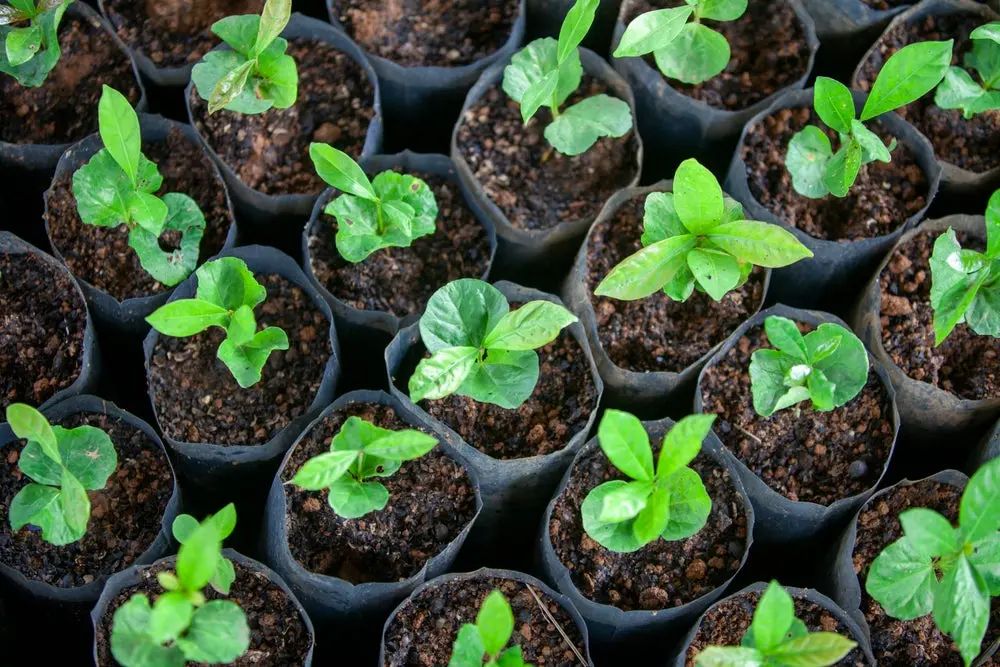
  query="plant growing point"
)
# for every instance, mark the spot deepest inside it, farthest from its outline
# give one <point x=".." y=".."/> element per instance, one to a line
<point x="961" y="90"/>
<point x="482" y="643"/>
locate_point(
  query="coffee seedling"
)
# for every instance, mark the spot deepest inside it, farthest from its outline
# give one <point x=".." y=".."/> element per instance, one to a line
<point x="482" y="643"/>
<point x="30" y="52"/>
<point x="960" y="90"/>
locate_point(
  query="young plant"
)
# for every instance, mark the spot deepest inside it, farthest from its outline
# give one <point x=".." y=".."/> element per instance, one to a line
<point x="393" y="211"/>
<point x="689" y="52"/>
<point x="816" y="170"/>
<point x="828" y="365"/>
<point x="30" y="52"/>
<point x="117" y="186"/>
<point x="668" y="502"/>
<point x="960" y="90"/>
<point x="357" y="453"/>
<point x="778" y="639"/>
<point x="546" y="72"/>
<point x="256" y="74"/>
<point x="181" y="627"/>
<point x="949" y="572"/>
<point x="696" y="238"/>
<point x="227" y="294"/>
<point x="479" y="348"/>
<point x="482" y="643"/>
<point x="64" y="464"/>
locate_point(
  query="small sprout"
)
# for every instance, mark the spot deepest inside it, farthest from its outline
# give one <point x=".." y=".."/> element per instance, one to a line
<point x="227" y="294"/>
<point x="960" y="90"/>
<point x="688" y="52"/>
<point x="778" y="639"/>
<point x="908" y="75"/>
<point x="181" y="626"/>
<point x="117" y="186"/>
<point x="30" y="52"/>
<point x="697" y="238"/>
<point x="64" y="464"/>
<point x="828" y="365"/>
<point x="949" y="572"/>
<point x="256" y="74"/>
<point x="359" y="451"/>
<point x="482" y="643"/>
<point x="391" y="212"/>
<point x="546" y="72"/>
<point x="479" y="348"/>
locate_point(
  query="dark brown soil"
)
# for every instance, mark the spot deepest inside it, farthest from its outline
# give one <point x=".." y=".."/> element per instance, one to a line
<point x="428" y="33"/>
<point x="424" y="630"/>
<point x="401" y="280"/>
<point x="769" y="52"/>
<point x="656" y="333"/>
<point x="882" y="199"/>
<point x="269" y="152"/>
<point x="125" y="518"/>
<point x="278" y="635"/>
<point x="431" y="500"/>
<point x="64" y="109"/>
<point x="197" y="399"/>
<point x="102" y="256"/>
<point x="536" y="186"/>
<point x="42" y="322"/>
<point x="173" y="33"/>
<point x="965" y="364"/>
<point x="803" y="454"/>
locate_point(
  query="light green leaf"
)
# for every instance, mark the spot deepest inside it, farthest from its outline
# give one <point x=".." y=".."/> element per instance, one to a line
<point x="842" y="170"/>
<point x="404" y="445"/>
<point x="442" y="374"/>
<point x="716" y="271"/>
<point x="616" y="536"/>
<point x="698" y="197"/>
<point x="580" y="126"/>
<point x="273" y="19"/>
<point x="321" y="471"/>
<point x="908" y="75"/>
<point x="690" y="505"/>
<point x="461" y="314"/>
<point x="962" y="607"/>
<point x="246" y="361"/>
<point x="187" y="317"/>
<point x="468" y="649"/>
<point x="131" y="643"/>
<point x="812" y="650"/>
<point x="574" y="28"/>
<point x="872" y="148"/>
<point x="340" y="171"/>
<point x="533" y="62"/>
<point x="979" y="511"/>
<point x="30" y="502"/>
<point x="224" y="521"/>
<point x="682" y="443"/>
<point x="352" y="499"/>
<point x="729" y="656"/>
<point x="759" y="243"/>
<point x="993" y="226"/>
<point x="930" y="534"/>
<point x="652" y="30"/>
<point x="225" y="575"/>
<point x="960" y="91"/>
<point x="495" y="621"/>
<point x="22" y="44"/>
<point x="648" y="270"/>
<point x="652" y="520"/>
<point x="990" y="31"/>
<point x="229" y="87"/>
<point x="624" y="440"/>
<point x="846" y="367"/>
<point x="902" y="581"/>
<point x="985" y="558"/>
<point x="239" y="32"/>
<point x="660" y="220"/>
<point x="773" y="618"/>
<point x="768" y="369"/>
<point x="183" y="527"/>
<point x="807" y="160"/>
<point x="530" y="327"/>
<point x="834" y="104"/>
<point x="88" y="454"/>
<point x="821" y="391"/>
<point x="277" y="80"/>
<point x="171" y="268"/>
<point x="119" y="128"/>
<point x="30" y="424"/>
<point x="539" y="94"/>
<point x="171" y="616"/>
<point x="504" y="378"/>
<point x="74" y="504"/>
<point x="148" y="211"/>
<point x="218" y="634"/>
<point x="625" y="502"/>
<point x="229" y="283"/>
<point x="783" y="334"/>
<point x="695" y="56"/>
<point x="198" y="556"/>
<point x="37" y="465"/>
<point x="722" y="10"/>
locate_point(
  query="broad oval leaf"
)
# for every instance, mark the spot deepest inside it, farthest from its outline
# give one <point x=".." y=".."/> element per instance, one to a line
<point x="131" y="643"/>
<point x="809" y="154"/>
<point x="979" y="511"/>
<point x="219" y="633"/>
<point x="495" y="621"/>
<point x="773" y="618"/>
<point x="468" y="649"/>
<point x="962" y="607"/>
<point x="533" y="62"/>
<point x="624" y="440"/>
<point x="722" y="10"/>
<point x="229" y="283"/>
<point x="580" y="126"/>
<point x="842" y="170"/>
<point x="625" y="502"/>
<point x="815" y="648"/>
<point x="404" y="445"/>
<point x="505" y="377"/>
<point x="695" y="56"/>
<point x="834" y="104"/>
<point x="652" y="520"/>
<point x="461" y="314"/>
<point x="729" y="656"/>
<point x="30" y="424"/>
<point x="760" y="243"/>
<point x="846" y="367"/>
<point x="119" y="128"/>
<point x="442" y="374"/>
<point x="652" y="30"/>
<point x="88" y="453"/>
<point x="690" y="505"/>
<point x="187" y="317"/>
<point x="320" y="472"/>
<point x="352" y="499"/>
<point x="37" y="465"/>
<point x="908" y="75"/>
<point x="902" y="581"/>
<point x="783" y="334"/>
<point x="30" y="502"/>
<point x="698" y="197"/>
<point x="682" y="443"/>
<point x="22" y="44"/>
<point x="171" y="616"/>
<point x="717" y="272"/>
<point x="616" y="536"/>
<point x="930" y="534"/>
<point x="533" y="325"/>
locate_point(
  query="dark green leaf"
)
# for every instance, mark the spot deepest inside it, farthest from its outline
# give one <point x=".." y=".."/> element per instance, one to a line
<point x="461" y="314"/>
<point x="505" y="378"/>
<point x="908" y="75"/>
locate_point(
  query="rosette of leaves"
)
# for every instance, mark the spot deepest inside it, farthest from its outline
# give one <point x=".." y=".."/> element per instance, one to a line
<point x="777" y="638"/>
<point x="63" y="464"/>
<point x="482" y="643"/>
<point x="480" y="348"/>
<point x="951" y="573"/>
<point x="828" y="366"/>
<point x="696" y="238"/>
<point x="907" y="76"/>
<point x="256" y="74"/>
<point x="30" y="51"/>
<point x="116" y="187"/>
<point x="392" y="211"/>
<point x="961" y="90"/>
<point x="546" y="72"/>
<point x="226" y="297"/>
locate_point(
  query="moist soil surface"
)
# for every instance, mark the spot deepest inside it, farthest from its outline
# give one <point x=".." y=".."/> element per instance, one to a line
<point x="965" y="363"/>
<point x="803" y="454"/>
<point x="536" y="186"/>
<point x="656" y="333"/>
<point x="401" y="280"/>
<point x="423" y="631"/>
<point x="173" y="33"/>
<point x="769" y="52"/>
<point x="102" y="256"/>
<point x="660" y="575"/>
<point x="269" y="152"/>
<point x="882" y="199"/>
<point x="428" y="33"/>
<point x="198" y="400"/>
<point x="42" y="325"/>
<point x="278" y="635"/>
<point x="431" y="500"/>
<point x="972" y="144"/>
<point x="64" y="108"/>
<point x="125" y="518"/>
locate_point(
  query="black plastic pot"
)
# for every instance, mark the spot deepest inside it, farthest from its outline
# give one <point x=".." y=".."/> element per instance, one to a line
<point x="987" y="450"/>
<point x="546" y="16"/>
<point x="848" y="19"/>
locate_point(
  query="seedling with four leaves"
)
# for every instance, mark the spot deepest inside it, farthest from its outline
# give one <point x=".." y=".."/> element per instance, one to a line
<point x="482" y="643"/>
<point x="960" y="90"/>
<point x="30" y="52"/>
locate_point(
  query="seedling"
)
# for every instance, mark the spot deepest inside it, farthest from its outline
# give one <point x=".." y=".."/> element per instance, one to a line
<point x="908" y="75"/>
<point x="689" y="52"/>
<point x="479" y="348"/>
<point x="949" y="572"/>
<point x="669" y="502"/>
<point x="358" y="452"/>
<point x="482" y="643"/>
<point x="117" y="186"/>
<point x="777" y="638"/>
<point x="393" y="211"/>
<point x="828" y="365"/>
<point x="64" y="463"/>
<point x="181" y="626"/>
<point x="30" y="52"/>
<point x="960" y="90"/>
<point x="256" y="74"/>
<point x="697" y="238"/>
<point x="546" y="72"/>
<point x="227" y="294"/>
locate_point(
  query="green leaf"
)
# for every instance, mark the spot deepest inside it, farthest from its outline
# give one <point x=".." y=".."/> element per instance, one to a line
<point x="246" y="361"/>
<point x="119" y="128"/>
<point x="682" y="443"/>
<point x="985" y="558"/>
<point x="218" y="634"/>
<point x="783" y="334"/>
<point x="846" y="366"/>
<point x="495" y="621"/>
<point x="468" y="649"/>
<point x="652" y="520"/>
<point x="529" y="65"/>
<point x="729" y="656"/>
<point x="242" y="326"/>
<point x="660" y="220"/>
<point x="652" y="30"/>
<point x="101" y="190"/>
<point x="30" y="424"/>
<point x="624" y="440"/>
<point x="580" y="126"/>
<point x="902" y="581"/>
<point x="224" y="521"/>
<point x="908" y="75"/>
<point x="695" y="56"/>
<point x="538" y="95"/>
<point x="681" y="285"/>
<point x="88" y="454"/>
<point x="962" y="607"/>
<point x="22" y="44"/>
<point x="952" y="291"/>
<point x="722" y="10"/>
<point x="979" y="511"/>
<point x="821" y="391"/>
<point x="716" y="271"/>
<point x="277" y="81"/>
<point x="512" y="657"/>
<point x="834" y="104"/>
<point x="504" y="378"/>
<point x="929" y="534"/>
<point x="533" y="325"/>
<point x="74" y="506"/>
<point x="759" y="243"/>
<point x="30" y="503"/>
<point x="959" y="90"/>
<point x="773" y="618"/>
<point x="36" y="464"/>
<point x="461" y="314"/>
<point x="358" y="233"/>
<point x="442" y="374"/>
<point x="239" y="32"/>
<point x="184" y="525"/>
<point x="352" y="499"/>
<point x="698" y="197"/>
<point x="225" y="575"/>
<point x="340" y="171"/>
<point x="33" y="72"/>
<point x="872" y="148"/>
<point x="690" y="505"/>
<point x="816" y="648"/>
<point x="229" y="283"/>
<point x="807" y="160"/>
<point x="404" y="445"/>
<point x="625" y="502"/>
<point x="273" y="19"/>
<point x="198" y="557"/>
<point x="616" y="536"/>
<point x="575" y="27"/>
<point x="229" y="87"/>
<point x="131" y="643"/>
<point x="321" y="471"/>
<point x="842" y="170"/>
<point x="768" y="369"/>
<point x="171" y="268"/>
<point x="990" y="31"/>
<point x="648" y="270"/>
<point x="993" y="226"/>
<point x="171" y="616"/>
<point x="187" y="317"/>
<point x="148" y="211"/>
